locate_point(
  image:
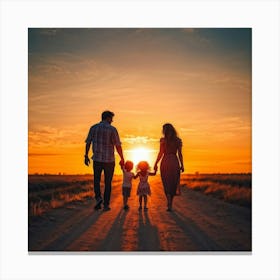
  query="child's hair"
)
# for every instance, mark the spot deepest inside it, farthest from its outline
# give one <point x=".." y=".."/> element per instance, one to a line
<point x="143" y="166"/>
<point x="128" y="165"/>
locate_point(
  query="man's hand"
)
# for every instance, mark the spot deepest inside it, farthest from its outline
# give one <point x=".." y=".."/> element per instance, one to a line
<point x="182" y="168"/>
<point x="87" y="160"/>
<point x="122" y="162"/>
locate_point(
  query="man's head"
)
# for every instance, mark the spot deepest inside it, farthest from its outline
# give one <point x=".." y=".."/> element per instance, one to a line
<point x="107" y="116"/>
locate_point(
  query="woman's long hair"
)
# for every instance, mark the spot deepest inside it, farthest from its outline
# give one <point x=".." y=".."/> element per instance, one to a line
<point x="170" y="133"/>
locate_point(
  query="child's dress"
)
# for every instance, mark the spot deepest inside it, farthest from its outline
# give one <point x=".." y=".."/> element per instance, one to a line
<point x="143" y="186"/>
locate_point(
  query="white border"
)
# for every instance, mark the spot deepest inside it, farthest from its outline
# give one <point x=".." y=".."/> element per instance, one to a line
<point x="262" y="16"/>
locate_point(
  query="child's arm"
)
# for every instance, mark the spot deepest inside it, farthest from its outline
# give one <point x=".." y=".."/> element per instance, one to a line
<point x="135" y="176"/>
<point x="153" y="173"/>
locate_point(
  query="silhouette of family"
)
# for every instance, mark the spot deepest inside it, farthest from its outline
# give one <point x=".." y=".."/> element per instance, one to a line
<point x="104" y="138"/>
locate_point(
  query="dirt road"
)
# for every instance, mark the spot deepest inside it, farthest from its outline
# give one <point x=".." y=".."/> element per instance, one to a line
<point x="198" y="223"/>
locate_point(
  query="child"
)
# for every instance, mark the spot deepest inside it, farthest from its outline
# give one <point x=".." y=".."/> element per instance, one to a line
<point x="143" y="189"/>
<point x="126" y="186"/>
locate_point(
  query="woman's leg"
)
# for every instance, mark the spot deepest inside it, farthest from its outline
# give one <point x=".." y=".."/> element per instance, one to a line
<point x="169" y="201"/>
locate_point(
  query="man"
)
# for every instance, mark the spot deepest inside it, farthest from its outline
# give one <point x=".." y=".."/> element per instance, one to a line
<point x="103" y="137"/>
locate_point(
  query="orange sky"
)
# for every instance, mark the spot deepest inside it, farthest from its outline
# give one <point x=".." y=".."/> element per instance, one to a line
<point x="197" y="79"/>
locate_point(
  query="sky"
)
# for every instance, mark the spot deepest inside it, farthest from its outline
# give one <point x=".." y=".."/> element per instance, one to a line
<point x="197" y="79"/>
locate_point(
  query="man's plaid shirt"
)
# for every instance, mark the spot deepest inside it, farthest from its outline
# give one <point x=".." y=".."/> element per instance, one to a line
<point x="103" y="138"/>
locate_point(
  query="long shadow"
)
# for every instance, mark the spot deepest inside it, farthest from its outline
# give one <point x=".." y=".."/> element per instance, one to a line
<point x="198" y="237"/>
<point x="148" y="237"/>
<point x="78" y="229"/>
<point x="112" y="242"/>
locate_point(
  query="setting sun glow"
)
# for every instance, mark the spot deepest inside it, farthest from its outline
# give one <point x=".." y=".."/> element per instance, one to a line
<point x="198" y="79"/>
<point x="140" y="154"/>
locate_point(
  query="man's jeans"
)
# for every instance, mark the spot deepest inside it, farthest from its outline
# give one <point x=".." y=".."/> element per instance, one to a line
<point x="108" y="168"/>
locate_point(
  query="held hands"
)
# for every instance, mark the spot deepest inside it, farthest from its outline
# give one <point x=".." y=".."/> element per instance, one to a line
<point x="87" y="160"/>
<point x="155" y="167"/>
<point x="121" y="162"/>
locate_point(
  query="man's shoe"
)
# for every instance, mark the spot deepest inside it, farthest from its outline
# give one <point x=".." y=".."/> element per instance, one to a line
<point x="106" y="208"/>
<point x="98" y="203"/>
<point x="126" y="207"/>
<point x="97" y="207"/>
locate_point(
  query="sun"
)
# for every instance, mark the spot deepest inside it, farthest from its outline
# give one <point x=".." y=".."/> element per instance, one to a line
<point x="139" y="154"/>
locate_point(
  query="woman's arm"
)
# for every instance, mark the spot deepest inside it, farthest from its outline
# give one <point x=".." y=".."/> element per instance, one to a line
<point x="181" y="158"/>
<point x="153" y="173"/>
<point x="160" y="154"/>
<point x="135" y="176"/>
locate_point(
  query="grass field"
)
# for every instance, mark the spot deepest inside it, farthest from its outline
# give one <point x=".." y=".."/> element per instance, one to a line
<point x="52" y="191"/>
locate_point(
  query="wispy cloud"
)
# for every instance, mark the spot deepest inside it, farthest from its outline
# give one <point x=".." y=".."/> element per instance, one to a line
<point x="132" y="139"/>
<point x="54" y="137"/>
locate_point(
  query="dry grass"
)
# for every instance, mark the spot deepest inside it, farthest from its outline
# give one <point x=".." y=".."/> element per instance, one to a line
<point x="46" y="192"/>
<point x="52" y="191"/>
<point x="233" y="188"/>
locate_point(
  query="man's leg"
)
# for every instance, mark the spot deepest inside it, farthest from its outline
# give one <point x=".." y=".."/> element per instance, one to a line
<point x="97" y="170"/>
<point x="108" y="174"/>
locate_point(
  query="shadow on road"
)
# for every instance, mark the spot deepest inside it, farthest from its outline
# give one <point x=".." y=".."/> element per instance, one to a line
<point x="202" y="241"/>
<point x="148" y="237"/>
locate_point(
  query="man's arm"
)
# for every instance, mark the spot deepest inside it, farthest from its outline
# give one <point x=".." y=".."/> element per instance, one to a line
<point x="120" y="152"/>
<point x="87" y="161"/>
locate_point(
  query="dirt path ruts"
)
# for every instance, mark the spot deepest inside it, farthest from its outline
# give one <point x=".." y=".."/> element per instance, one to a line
<point x="198" y="223"/>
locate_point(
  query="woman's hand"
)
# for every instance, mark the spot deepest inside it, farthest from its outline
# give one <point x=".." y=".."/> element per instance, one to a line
<point x="182" y="168"/>
<point x="155" y="167"/>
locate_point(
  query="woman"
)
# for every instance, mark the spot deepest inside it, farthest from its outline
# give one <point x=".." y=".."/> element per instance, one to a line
<point x="170" y="146"/>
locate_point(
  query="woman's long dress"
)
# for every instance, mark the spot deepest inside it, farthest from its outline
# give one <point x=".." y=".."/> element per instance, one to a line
<point x="169" y="167"/>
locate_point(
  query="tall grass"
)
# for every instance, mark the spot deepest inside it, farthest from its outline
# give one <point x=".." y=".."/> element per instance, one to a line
<point x="233" y="188"/>
<point x="46" y="192"/>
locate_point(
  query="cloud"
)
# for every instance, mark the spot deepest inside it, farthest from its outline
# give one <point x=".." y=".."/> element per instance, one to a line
<point x="70" y="70"/>
<point x="54" y="137"/>
<point x="132" y="139"/>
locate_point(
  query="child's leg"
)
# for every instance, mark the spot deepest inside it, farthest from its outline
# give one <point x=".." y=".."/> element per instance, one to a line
<point x="125" y="198"/>
<point x="145" y="201"/>
<point x="140" y="201"/>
